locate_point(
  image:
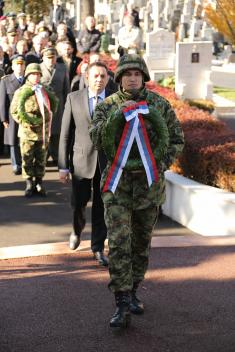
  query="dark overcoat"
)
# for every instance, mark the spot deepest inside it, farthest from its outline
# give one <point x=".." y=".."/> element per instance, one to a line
<point x="8" y="85"/>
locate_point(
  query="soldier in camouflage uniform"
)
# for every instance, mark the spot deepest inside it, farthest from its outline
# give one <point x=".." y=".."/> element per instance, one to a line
<point x="131" y="210"/>
<point x="32" y="107"/>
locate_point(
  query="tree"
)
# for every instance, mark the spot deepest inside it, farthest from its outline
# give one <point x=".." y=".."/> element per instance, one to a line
<point x="36" y="8"/>
<point x="221" y="15"/>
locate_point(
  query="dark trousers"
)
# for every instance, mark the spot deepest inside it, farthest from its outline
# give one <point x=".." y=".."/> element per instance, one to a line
<point x="81" y="194"/>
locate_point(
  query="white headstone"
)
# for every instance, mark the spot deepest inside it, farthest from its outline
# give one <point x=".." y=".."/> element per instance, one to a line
<point x="160" y="50"/>
<point x="193" y="69"/>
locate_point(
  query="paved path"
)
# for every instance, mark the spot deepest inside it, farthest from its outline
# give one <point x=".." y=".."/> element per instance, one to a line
<point x="55" y="300"/>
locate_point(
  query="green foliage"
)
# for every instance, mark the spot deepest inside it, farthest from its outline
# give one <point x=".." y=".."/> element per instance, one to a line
<point x="168" y="82"/>
<point x="37" y="9"/>
<point x="227" y="93"/>
<point x="203" y="104"/>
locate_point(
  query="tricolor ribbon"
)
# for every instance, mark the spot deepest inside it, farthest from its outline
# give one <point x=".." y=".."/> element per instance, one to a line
<point x="43" y="100"/>
<point x="134" y="129"/>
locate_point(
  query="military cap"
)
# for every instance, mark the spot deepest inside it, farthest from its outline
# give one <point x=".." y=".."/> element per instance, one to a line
<point x="18" y="59"/>
<point x="49" y="52"/>
<point x="32" y="68"/>
<point x="21" y="14"/>
<point x="11" y="31"/>
<point x="129" y="62"/>
<point x="11" y="14"/>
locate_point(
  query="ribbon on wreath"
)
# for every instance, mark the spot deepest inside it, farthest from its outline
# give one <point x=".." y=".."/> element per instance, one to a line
<point x="134" y="129"/>
<point x="43" y="100"/>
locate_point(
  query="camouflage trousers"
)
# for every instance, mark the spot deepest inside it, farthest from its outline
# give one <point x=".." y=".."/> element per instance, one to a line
<point x="130" y="216"/>
<point x="33" y="158"/>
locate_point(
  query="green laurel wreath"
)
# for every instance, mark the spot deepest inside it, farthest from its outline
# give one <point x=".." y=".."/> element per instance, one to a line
<point x="157" y="133"/>
<point x="25" y="93"/>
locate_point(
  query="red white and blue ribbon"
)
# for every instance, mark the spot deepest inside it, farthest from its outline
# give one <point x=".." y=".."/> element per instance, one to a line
<point x="134" y="130"/>
<point x="43" y="100"/>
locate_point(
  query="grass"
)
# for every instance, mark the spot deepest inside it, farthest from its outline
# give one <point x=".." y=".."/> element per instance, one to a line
<point x="227" y="93"/>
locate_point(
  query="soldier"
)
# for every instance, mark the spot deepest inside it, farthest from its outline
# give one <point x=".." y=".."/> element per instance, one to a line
<point x="141" y="137"/>
<point x="9" y="84"/>
<point x="32" y="107"/>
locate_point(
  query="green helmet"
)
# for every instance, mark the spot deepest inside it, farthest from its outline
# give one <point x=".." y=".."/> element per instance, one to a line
<point x="131" y="61"/>
<point x="32" y="68"/>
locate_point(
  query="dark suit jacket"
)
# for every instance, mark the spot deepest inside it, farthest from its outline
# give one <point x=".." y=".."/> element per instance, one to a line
<point x="73" y="67"/>
<point x="76" y="150"/>
<point x="8" y="85"/>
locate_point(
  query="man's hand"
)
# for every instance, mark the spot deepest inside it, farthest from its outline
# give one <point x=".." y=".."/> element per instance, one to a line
<point x="5" y="124"/>
<point x="64" y="176"/>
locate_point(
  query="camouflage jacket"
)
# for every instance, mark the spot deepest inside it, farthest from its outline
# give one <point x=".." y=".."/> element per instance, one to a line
<point x="31" y="127"/>
<point x="176" y="138"/>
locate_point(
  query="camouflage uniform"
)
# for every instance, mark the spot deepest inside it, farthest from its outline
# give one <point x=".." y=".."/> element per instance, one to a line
<point x="33" y="148"/>
<point x="131" y="212"/>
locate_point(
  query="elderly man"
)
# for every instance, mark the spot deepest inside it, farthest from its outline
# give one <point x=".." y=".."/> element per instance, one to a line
<point x="89" y="38"/>
<point x="129" y="37"/>
<point x="141" y="137"/>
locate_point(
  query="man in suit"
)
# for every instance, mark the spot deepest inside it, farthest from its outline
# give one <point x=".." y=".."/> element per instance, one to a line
<point x="8" y="85"/>
<point x="55" y="75"/>
<point x="78" y="156"/>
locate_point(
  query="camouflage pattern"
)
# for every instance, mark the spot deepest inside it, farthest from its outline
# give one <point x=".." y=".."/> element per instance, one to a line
<point x="26" y="130"/>
<point x="131" y="61"/>
<point x="31" y="166"/>
<point x="131" y="212"/>
<point x="32" y="68"/>
<point x="33" y="150"/>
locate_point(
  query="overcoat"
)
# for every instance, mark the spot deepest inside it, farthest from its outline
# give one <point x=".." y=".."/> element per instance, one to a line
<point x="58" y="81"/>
<point x="8" y="85"/>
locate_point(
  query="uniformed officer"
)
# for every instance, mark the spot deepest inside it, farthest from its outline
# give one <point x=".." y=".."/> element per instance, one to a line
<point x="32" y="107"/>
<point x="141" y="137"/>
<point x="8" y="85"/>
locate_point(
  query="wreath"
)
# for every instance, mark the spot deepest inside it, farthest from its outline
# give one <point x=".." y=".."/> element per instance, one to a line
<point x="26" y="93"/>
<point x="157" y="133"/>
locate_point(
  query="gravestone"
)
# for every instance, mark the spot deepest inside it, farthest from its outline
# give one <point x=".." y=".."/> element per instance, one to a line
<point x="160" y="53"/>
<point x="193" y="69"/>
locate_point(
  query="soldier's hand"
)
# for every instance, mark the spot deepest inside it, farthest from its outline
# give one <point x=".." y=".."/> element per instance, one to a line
<point x="64" y="176"/>
<point x="5" y="124"/>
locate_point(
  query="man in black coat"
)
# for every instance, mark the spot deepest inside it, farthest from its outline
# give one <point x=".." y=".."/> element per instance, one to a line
<point x="89" y="38"/>
<point x="78" y="156"/>
<point x="56" y="14"/>
<point x="8" y="85"/>
<point x="67" y="57"/>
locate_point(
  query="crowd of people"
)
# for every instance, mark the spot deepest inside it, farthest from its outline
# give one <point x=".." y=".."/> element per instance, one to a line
<point x="105" y="130"/>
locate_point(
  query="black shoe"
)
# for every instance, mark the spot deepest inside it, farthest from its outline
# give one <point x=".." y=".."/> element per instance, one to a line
<point x="74" y="241"/>
<point x="101" y="258"/>
<point x="29" y="188"/>
<point x="136" y="306"/>
<point x="17" y="171"/>
<point x="121" y="317"/>
<point x="40" y="190"/>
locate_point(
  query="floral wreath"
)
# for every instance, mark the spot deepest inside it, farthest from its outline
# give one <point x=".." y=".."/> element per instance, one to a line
<point x="26" y="93"/>
<point x="159" y="140"/>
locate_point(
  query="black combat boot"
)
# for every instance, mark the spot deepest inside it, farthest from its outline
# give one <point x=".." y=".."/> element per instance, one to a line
<point x="136" y="306"/>
<point x="29" y="188"/>
<point x="39" y="188"/>
<point x="121" y="317"/>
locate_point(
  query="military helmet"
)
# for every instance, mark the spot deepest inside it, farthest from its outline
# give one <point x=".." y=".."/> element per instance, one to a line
<point x="32" y="68"/>
<point x="128" y="62"/>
